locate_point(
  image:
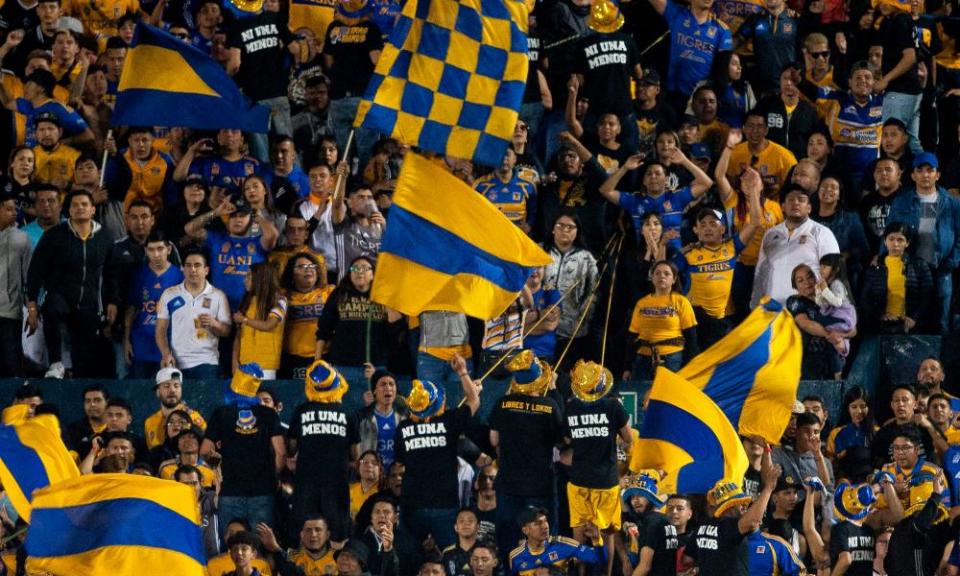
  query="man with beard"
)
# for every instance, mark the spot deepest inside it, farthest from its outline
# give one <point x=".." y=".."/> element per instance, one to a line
<point x="314" y="557"/>
<point x="930" y="375"/>
<point x="55" y="160"/>
<point x="169" y="390"/>
<point x="655" y="537"/>
<point x="385" y="536"/>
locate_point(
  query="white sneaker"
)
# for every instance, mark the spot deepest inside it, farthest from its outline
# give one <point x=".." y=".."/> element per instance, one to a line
<point x="55" y="370"/>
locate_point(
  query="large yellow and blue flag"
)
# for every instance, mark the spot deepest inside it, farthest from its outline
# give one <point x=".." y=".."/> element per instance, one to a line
<point x="107" y="524"/>
<point x="448" y="248"/>
<point x="753" y="372"/>
<point x="166" y="82"/>
<point x="451" y="78"/>
<point x="686" y="435"/>
<point x="32" y="456"/>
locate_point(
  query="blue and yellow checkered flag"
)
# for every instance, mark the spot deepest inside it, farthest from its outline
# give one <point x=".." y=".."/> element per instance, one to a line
<point x="451" y="78"/>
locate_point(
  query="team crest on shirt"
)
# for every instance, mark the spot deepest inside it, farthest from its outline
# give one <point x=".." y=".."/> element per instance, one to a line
<point x="517" y="196"/>
<point x="803" y="239"/>
<point x="876" y="112"/>
<point x="154" y="171"/>
<point x="246" y="422"/>
<point x="788" y="28"/>
<point x="761" y="550"/>
<point x="667" y="206"/>
<point x="206" y="303"/>
<point x="225" y="247"/>
<point x="214" y="169"/>
<point x="248" y="168"/>
<point x="492" y="196"/>
<point x="146" y="294"/>
<point x="686" y="22"/>
<point x="251" y="248"/>
<point x="711" y="32"/>
<point x="553" y="556"/>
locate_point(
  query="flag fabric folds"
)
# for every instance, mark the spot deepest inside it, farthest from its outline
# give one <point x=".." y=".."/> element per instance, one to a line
<point x="753" y="372"/>
<point x="107" y="524"/>
<point x="166" y="82"/>
<point x="448" y="248"/>
<point x="32" y="456"/>
<point x="687" y="436"/>
<point x="451" y="78"/>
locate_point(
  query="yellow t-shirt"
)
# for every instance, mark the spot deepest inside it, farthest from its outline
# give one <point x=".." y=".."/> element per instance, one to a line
<point x="358" y="497"/>
<point x="99" y="17"/>
<point x="773" y="163"/>
<point x="657" y="318"/>
<point x="322" y="566"/>
<point x="207" y="476"/>
<point x="222" y="564"/>
<point x="155" y="428"/>
<point x="896" y="287"/>
<point x="56" y="166"/>
<point x="918" y="494"/>
<point x="262" y="347"/>
<point x="771" y="215"/>
<point x="303" y="312"/>
<point x="711" y="276"/>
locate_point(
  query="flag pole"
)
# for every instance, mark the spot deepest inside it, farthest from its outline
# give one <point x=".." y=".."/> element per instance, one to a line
<point x="613" y="283"/>
<point x="346" y="154"/>
<point x="103" y="163"/>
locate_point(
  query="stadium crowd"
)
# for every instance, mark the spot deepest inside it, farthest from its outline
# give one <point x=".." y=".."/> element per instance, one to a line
<point x="679" y="162"/>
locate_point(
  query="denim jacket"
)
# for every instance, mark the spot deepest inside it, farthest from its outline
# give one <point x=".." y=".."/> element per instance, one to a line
<point x="906" y="209"/>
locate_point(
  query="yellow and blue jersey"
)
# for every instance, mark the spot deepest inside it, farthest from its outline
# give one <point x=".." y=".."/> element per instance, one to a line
<point x="145" y="292"/>
<point x="515" y="198"/>
<point x="708" y="274"/>
<point x="229" y="174"/>
<point x="922" y="480"/>
<point x="773" y="556"/>
<point x="669" y="205"/>
<point x="230" y="260"/>
<point x="71" y="123"/>
<point x="843" y="437"/>
<point x="692" y="46"/>
<point x="557" y="552"/>
<point x="855" y="129"/>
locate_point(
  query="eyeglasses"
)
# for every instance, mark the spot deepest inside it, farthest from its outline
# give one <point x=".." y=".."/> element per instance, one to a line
<point x="825" y="54"/>
<point x="308" y="267"/>
<point x="522" y="127"/>
<point x="567" y="227"/>
<point x="903" y="447"/>
<point x="181" y="35"/>
<point x="361" y="268"/>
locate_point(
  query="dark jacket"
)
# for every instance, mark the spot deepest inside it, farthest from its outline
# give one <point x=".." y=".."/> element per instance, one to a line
<point x="790" y="131"/>
<point x="906" y="209"/>
<point x="919" y="285"/>
<point x="72" y="268"/>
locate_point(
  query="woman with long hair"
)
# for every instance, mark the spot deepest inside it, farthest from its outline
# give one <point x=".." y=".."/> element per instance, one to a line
<point x="734" y="94"/>
<point x="257" y="194"/>
<point x="573" y="270"/>
<point x="304" y="283"/>
<point x="651" y="248"/>
<point x="260" y="320"/>
<point x="820" y="355"/>
<point x="354" y="331"/>
<point x="19" y="182"/>
<point x="845" y="225"/>
<point x="677" y="175"/>
<point x="663" y="325"/>
<point x="856" y="426"/>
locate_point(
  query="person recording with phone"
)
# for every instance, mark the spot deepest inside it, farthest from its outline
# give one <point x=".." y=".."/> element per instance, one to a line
<point x="358" y="227"/>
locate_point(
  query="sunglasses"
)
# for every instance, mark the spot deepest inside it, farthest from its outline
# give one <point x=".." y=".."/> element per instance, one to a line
<point x="825" y="54"/>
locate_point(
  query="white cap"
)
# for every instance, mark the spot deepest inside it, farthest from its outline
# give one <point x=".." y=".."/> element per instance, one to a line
<point x="169" y="374"/>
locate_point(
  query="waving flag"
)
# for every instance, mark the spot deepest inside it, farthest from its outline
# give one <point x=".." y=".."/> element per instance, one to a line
<point x="448" y="248"/>
<point x="111" y="524"/>
<point x="451" y="78"/>
<point x="166" y="82"/>
<point x="686" y="435"/>
<point x="32" y="456"/>
<point x="753" y="372"/>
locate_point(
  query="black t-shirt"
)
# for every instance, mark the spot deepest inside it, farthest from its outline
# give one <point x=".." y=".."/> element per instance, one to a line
<point x="874" y="209"/>
<point x="719" y="548"/>
<point x="14" y="16"/>
<point x="244" y="439"/>
<point x="529" y="428"/>
<point x="607" y="62"/>
<point x="882" y="448"/>
<point x="898" y="33"/>
<point x="859" y="542"/>
<point x="429" y="452"/>
<point x="751" y="482"/>
<point x="350" y="46"/>
<point x="488" y="525"/>
<point x="593" y="429"/>
<point x="262" y="41"/>
<point x="650" y="123"/>
<point x="661" y="536"/>
<point x="531" y="92"/>
<point x="324" y="433"/>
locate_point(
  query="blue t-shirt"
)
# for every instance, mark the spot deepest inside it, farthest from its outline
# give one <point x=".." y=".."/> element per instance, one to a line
<point x="230" y="260"/>
<point x="692" y="47"/>
<point x="669" y="205"/>
<point x="297" y="179"/>
<point x="145" y="291"/>
<point x="229" y="174"/>
<point x="772" y="556"/>
<point x="386" y="433"/>
<point x="543" y="345"/>
<point x="70" y="122"/>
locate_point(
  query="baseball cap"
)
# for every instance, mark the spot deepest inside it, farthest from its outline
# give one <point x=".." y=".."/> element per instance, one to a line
<point x="700" y="150"/>
<point x="47" y="117"/>
<point x="169" y="373"/>
<point x="708" y="212"/>
<point x="650" y="77"/>
<point x="926" y="158"/>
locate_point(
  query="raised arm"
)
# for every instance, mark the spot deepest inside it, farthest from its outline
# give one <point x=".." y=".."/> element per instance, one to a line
<point x="570" y="111"/>
<point x="769" y="472"/>
<point x="701" y="181"/>
<point x="752" y="186"/>
<point x="659" y="5"/>
<point x="608" y="188"/>
<point x="471" y="389"/>
<point x="720" y="173"/>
